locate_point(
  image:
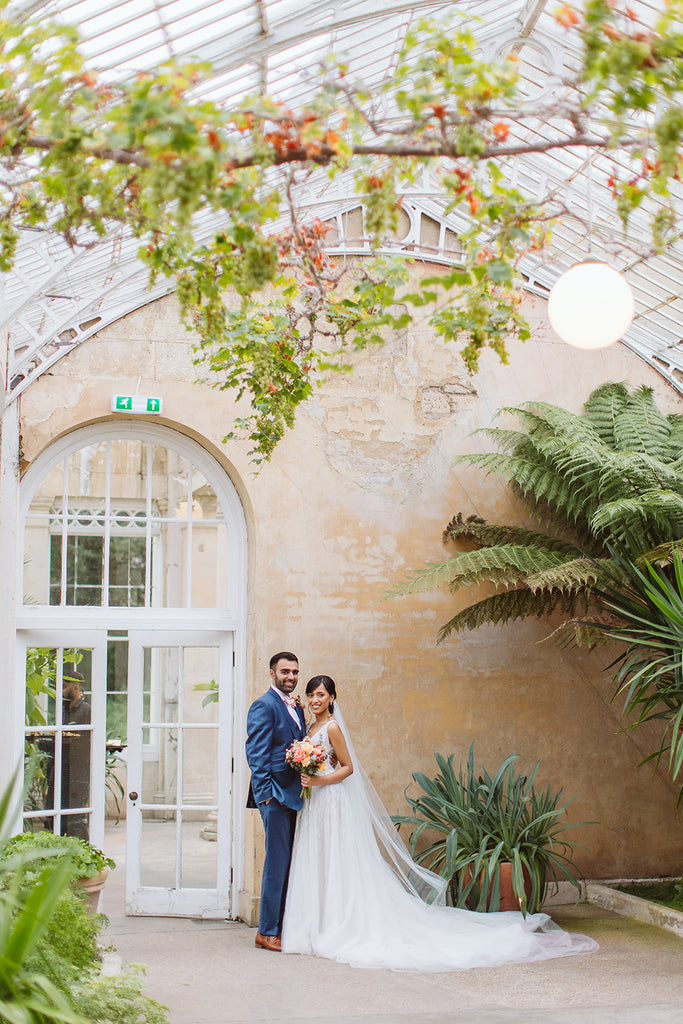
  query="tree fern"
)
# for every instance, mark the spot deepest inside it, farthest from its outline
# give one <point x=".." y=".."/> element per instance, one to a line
<point x="608" y="480"/>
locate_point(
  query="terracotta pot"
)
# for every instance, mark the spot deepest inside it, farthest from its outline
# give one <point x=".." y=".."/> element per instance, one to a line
<point x="92" y="887"/>
<point x="508" y="900"/>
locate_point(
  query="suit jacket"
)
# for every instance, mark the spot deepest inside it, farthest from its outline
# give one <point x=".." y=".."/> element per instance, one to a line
<point x="270" y="731"/>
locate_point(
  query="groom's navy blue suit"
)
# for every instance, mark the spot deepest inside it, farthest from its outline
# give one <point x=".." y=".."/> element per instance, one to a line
<point x="270" y="730"/>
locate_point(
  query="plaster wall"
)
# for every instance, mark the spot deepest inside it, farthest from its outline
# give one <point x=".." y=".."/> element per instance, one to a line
<point x="358" y="494"/>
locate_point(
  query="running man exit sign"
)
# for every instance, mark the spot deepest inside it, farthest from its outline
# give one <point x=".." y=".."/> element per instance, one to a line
<point x="136" y="403"/>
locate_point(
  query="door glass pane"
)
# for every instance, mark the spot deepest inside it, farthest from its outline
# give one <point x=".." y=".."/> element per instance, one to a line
<point x="160" y="767"/>
<point x="199" y="850"/>
<point x="58" y="746"/>
<point x="158" y="848"/>
<point x="200" y="757"/>
<point x="161" y="684"/>
<point x="117" y="686"/>
<point x="200" y="686"/>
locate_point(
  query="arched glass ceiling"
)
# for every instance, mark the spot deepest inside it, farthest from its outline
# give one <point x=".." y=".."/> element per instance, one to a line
<point x="55" y="298"/>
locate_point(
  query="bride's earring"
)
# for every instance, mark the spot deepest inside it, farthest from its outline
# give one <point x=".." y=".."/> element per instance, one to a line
<point x="331" y="707"/>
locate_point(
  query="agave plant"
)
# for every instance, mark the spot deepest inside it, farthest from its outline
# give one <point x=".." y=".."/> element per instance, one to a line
<point x="483" y="821"/>
<point x="611" y="478"/>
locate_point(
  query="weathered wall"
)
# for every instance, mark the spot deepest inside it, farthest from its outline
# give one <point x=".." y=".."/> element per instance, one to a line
<point x="358" y="493"/>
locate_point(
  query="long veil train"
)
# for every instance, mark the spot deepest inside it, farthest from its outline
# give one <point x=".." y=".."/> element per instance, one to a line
<point x="356" y="895"/>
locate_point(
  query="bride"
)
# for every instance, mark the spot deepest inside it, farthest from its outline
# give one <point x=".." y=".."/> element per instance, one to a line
<point x="355" y="895"/>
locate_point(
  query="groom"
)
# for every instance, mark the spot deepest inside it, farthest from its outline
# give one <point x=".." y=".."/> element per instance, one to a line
<point x="274" y="721"/>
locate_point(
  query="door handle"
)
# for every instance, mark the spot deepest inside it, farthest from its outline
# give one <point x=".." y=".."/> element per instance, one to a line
<point x="133" y="796"/>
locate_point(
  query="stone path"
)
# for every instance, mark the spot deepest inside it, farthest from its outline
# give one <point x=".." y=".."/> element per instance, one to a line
<point x="209" y="972"/>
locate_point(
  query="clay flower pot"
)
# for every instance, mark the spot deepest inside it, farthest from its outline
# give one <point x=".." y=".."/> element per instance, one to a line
<point x="92" y="887"/>
<point x="508" y="899"/>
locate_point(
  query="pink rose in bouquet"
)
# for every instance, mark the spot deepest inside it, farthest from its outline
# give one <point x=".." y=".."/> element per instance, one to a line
<point x="307" y="758"/>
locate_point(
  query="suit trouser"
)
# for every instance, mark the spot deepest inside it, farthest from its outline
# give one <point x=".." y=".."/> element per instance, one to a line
<point x="279" y="823"/>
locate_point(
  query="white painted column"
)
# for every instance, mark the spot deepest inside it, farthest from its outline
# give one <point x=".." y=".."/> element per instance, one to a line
<point x="11" y="695"/>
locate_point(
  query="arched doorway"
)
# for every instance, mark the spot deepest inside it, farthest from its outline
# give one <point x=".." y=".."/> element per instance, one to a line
<point x="131" y="636"/>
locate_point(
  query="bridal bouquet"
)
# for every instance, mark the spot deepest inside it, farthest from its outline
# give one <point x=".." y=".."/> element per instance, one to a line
<point x="307" y="758"/>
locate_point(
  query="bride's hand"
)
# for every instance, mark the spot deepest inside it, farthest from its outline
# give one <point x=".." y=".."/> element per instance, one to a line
<point x="308" y="781"/>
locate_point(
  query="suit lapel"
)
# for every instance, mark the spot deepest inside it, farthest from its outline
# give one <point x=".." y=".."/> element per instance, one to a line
<point x="283" y="710"/>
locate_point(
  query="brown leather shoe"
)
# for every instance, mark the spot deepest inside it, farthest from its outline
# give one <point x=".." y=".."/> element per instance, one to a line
<point x="271" y="942"/>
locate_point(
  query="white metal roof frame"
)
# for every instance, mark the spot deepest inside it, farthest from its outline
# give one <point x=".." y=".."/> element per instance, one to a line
<point x="55" y="298"/>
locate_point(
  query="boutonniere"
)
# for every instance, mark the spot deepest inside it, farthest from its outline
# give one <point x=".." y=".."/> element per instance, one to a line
<point x="299" y="702"/>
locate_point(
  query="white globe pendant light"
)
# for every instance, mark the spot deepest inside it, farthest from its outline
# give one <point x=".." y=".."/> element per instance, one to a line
<point x="591" y="305"/>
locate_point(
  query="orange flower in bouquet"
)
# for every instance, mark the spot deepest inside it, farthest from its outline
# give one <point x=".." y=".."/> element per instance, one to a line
<point x="307" y="758"/>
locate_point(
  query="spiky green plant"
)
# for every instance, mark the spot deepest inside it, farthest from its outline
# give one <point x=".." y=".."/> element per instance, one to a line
<point x="482" y="821"/>
<point x="611" y="478"/>
<point x="647" y="605"/>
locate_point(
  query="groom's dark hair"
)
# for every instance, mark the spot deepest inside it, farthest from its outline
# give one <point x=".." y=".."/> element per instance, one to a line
<point x="283" y="656"/>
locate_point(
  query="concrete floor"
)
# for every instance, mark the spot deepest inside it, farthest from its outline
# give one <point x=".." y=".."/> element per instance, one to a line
<point x="208" y="972"/>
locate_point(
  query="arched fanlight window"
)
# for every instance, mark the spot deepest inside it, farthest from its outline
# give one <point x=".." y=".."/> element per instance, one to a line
<point x="126" y="522"/>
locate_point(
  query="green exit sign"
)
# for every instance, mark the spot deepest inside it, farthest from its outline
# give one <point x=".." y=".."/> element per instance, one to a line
<point x="136" y="403"/>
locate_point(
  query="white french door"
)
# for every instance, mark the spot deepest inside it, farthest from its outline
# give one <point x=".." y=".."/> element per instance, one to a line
<point x="179" y="800"/>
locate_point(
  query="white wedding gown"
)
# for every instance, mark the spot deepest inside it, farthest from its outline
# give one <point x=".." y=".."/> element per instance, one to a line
<point x="345" y="902"/>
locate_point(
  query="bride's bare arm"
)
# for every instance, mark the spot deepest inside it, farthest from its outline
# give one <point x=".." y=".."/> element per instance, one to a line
<point x="344" y="766"/>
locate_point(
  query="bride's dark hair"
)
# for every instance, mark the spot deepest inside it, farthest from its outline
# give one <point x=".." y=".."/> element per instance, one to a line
<point x="328" y="684"/>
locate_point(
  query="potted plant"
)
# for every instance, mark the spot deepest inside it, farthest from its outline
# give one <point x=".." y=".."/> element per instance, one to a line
<point x="499" y="838"/>
<point x="89" y="865"/>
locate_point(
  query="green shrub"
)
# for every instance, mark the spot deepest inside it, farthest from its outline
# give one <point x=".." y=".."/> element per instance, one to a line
<point x="117" y="999"/>
<point x="87" y="860"/>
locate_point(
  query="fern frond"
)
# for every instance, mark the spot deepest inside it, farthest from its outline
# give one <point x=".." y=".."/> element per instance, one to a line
<point x="662" y="554"/>
<point x="676" y="436"/>
<point x="635" y="472"/>
<point x="602" y="408"/>
<point x="579" y="574"/>
<point x="507" y="607"/>
<point x="505" y="440"/>
<point x="504" y="564"/>
<point x="490" y="534"/>
<point x="642" y="427"/>
<point x="635" y="522"/>
<point x="562" y="422"/>
<point x="578" y="633"/>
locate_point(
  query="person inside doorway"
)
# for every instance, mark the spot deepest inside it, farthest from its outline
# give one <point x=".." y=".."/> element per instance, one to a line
<point x="75" y="756"/>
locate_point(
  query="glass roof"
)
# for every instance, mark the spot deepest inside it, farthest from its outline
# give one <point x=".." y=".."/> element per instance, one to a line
<point x="55" y="298"/>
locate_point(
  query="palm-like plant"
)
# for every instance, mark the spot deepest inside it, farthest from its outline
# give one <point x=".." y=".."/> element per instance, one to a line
<point x="648" y="608"/>
<point x="482" y="821"/>
<point x="609" y="479"/>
